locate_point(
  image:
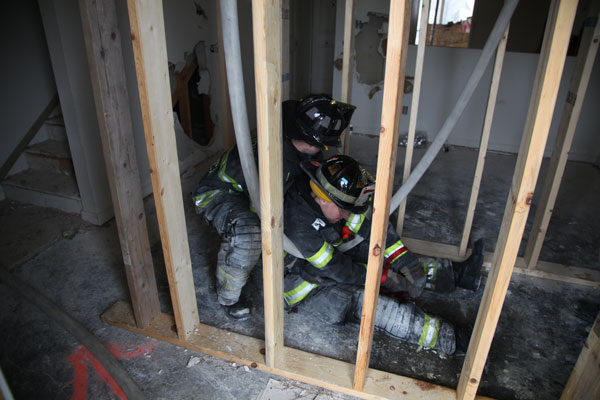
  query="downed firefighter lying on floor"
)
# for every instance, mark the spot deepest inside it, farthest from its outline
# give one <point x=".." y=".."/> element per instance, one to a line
<point x="328" y="217"/>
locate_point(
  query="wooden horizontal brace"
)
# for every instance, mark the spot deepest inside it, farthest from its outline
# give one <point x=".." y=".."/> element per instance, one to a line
<point x="544" y="269"/>
<point x="294" y="364"/>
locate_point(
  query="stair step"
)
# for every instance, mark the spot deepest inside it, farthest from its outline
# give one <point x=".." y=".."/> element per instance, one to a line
<point x="58" y="121"/>
<point x="50" y="148"/>
<point x="51" y="156"/>
<point x="45" y="189"/>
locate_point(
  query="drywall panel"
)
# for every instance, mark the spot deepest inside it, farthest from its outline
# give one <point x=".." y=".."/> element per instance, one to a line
<point x="62" y="25"/>
<point x="186" y="24"/>
<point x="323" y="38"/>
<point x="446" y="70"/>
<point x="27" y="80"/>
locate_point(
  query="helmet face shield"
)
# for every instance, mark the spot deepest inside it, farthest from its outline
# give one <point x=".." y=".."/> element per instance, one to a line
<point x="344" y="181"/>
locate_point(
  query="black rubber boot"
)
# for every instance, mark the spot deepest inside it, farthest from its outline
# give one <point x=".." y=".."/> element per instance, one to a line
<point x="239" y="311"/>
<point x="467" y="274"/>
<point x="463" y="337"/>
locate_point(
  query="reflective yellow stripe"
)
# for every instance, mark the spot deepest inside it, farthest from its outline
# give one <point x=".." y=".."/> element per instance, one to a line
<point x="321" y="257"/>
<point x="299" y="292"/>
<point x="204" y="199"/>
<point x="355" y="221"/>
<point x="227" y="279"/>
<point x="431" y="328"/>
<point x="430" y="267"/>
<point x="226" y="178"/>
<point x="393" y="248"/>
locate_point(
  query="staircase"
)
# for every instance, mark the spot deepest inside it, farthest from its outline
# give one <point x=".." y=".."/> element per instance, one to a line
<point x="44" y="174"/>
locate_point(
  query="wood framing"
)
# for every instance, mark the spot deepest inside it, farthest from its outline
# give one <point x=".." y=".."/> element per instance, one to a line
<point x="270" y="355"/>
<point x="483" y="144"/>
<point x="103" y="46"/>
<point x="295" y="364"/>
<point x="588" y="49"/>
<point x="395" y="68"/>
<point x="150" y="54"/>
<point x="414" y="112"/>
<point x="348" y="67"/>
<point x="266" y="22"/>
<point x="550" y="67"/>
<point x="545" y="270"/>
<point x="583" y="384"/>
<point x="285" y="50"/>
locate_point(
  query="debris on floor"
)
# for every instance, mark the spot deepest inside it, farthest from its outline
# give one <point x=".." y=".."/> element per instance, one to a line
<point x="276" y="390"/>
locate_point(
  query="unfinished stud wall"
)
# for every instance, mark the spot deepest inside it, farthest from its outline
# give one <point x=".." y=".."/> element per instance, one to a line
<point x="301" y="365"/>
<point x="445" y="72"/>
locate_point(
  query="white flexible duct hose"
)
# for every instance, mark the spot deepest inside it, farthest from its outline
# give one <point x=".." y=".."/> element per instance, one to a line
<point x="231" y="42"/>
<point x="486" y="55"/>
<point x="237" y="97"/>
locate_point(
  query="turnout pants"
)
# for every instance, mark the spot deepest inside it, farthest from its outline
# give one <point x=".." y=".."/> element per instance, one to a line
<point x="240" y="250"/>
<point x="336" y="304"/>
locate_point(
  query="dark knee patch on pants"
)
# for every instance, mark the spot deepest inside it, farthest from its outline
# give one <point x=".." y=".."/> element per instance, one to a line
<point x="330" y="304"/>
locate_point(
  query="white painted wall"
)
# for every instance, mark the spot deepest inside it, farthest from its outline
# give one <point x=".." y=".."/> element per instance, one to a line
<point x="322" y="46"/>
<point x="185" y="25"/>
<point x="26" y="73"/>
<point x="446" y="71"/>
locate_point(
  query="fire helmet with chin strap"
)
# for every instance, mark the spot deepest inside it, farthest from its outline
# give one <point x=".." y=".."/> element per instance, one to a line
<point x="316" y="119"/>
<point x="341" y="180"/>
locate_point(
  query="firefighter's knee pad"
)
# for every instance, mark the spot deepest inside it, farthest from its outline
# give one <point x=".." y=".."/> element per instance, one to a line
<point x="245" y="241"/>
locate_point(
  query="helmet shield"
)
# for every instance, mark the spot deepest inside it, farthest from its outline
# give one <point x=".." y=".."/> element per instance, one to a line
<point x="344" y="180"/>
<point x="317" y="119"/>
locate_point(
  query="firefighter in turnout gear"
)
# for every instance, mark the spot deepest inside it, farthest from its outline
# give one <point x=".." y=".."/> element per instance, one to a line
<point x="309" y="126"/>
<point x="328" y="217"/>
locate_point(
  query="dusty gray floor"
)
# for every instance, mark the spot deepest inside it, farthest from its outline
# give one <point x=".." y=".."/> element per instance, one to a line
<point x="83" y="275"/>
<point x="436" y="207"/>
<point x="541" y="331"/>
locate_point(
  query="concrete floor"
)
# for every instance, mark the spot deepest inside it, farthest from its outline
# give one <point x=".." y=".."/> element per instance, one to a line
<point x="540" y="334"/>
<point x="79" y="268"/>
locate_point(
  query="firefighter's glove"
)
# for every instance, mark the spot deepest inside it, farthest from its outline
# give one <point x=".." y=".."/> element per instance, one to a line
<point x="347" y="234"/>
<point x="397" y="282"/>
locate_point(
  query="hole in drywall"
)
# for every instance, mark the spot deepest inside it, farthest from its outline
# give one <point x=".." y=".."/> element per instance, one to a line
<point x="370" y="62"/>
<point x="191" y="100"/>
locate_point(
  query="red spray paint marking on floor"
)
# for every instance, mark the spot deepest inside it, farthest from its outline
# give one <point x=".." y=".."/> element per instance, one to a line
<point x="80" y="372"/>
<point x="123" y="351"/>
<point x="82" y="354"/>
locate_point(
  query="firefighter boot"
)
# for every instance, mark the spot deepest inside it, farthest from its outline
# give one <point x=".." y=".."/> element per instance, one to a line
<point x="467" y="274"/>
<point x="239" y="311"/>
<point x="463" y="337"/>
